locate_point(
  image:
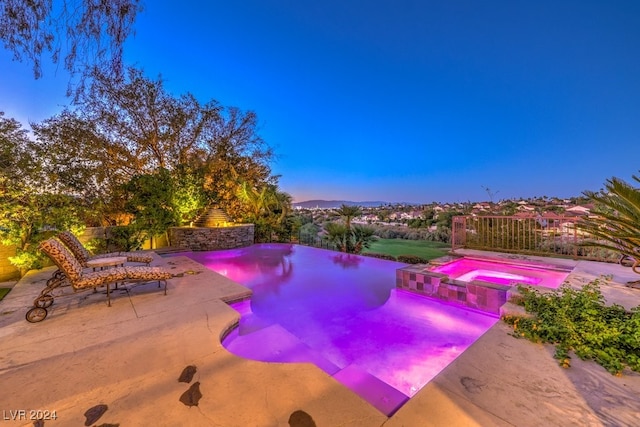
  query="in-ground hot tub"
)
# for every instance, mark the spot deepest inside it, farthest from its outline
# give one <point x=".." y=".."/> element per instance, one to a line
<point x="478" y="283"/>
<point x="504" y="272"/>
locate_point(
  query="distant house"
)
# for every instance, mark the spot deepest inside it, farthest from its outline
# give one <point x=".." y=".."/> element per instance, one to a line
<point x="580" y="209"/>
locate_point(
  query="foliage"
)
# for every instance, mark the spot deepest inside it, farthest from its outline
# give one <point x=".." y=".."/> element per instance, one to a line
<point x="579" y="321"/>
<point x="26" y="260"/>
<point x="29" y="211"/>
<point x="122" y="128"/>
<point x="337" y="234"/>
<point x="616" y="223"/>
<point x="125" y="237"/>
<point x="412" y="259"/>
<point x="380" y="256"/>
<point x="93" y="32"/>
<point x="189" y="196"/>
<point x="268" y="209"/>
<point x="74" y="160"/>
<point x="441" y="234"/>
<point x="308" y="233"/>
<point x="345" y="237"/>
<point x="150" y="201"/>
<point x="363" y="236"/>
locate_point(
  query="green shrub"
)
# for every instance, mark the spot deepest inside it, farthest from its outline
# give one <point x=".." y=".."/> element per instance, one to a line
<point x="125" y="238"/>
<point x="381" y="256"/>
<point x="578" y="321"/>
<point x="412" y="259"/>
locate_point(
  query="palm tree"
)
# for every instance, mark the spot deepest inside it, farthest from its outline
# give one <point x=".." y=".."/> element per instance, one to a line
<point x="337" y="235"/>
<point x="617" y="224"/>
<point x="267" y="207"/>
<point x="347" y="213"/>
<point x="348" y="238"/>
<point x="362" y="236"/>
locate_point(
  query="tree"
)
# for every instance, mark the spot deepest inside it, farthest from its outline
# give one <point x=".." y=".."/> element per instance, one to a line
<point x="337" y="235"/>
<point x="75" y="159"/>
<point x="29" y="209"/>
<point x="91" y="32"/>
<point x="348" y="238"/>
<point x="122" y="129"/>
<point x="347" y="213"/>
<point x="189" y="196"/>
<point x="616" y="223"/>
<point x="362" y="237"/>
<point x="146" y="127"/>
<point x="267" y="208"/>
<point x="150" y="201"/>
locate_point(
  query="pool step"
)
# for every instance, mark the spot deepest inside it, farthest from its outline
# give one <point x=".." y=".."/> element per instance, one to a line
<point x="379" y="394"/>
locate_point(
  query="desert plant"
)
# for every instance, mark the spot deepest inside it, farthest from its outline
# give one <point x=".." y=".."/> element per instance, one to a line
<point x="579" y="321"/>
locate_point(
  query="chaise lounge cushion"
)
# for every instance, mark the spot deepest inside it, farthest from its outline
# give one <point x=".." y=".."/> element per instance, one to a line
<point x="84" y="256"/>
<point x="68" y="264"/>
<point x="63" y="258"/>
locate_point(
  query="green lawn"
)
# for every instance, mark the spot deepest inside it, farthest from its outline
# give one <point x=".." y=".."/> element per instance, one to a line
<point x="421" y="248"/>
<point x="3" y="292"/>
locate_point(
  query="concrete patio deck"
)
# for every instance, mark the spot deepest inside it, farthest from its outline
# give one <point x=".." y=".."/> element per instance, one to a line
<point x="130" y="356"/>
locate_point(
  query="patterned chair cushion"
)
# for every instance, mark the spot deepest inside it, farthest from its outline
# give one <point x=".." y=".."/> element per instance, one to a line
<point x="99" y="278"/>
<point x="138" y="256"/>
<point x="75" y="246"/>
<point x="147" y="273"/>
<point x="63" y="258"/>
<point x="83" y="255"/>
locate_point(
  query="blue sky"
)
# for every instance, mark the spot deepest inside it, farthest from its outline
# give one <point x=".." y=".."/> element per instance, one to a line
<point x="414" y="101"/>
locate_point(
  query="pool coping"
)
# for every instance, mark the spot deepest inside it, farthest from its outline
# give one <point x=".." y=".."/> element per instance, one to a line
<point x="129" y="357"/>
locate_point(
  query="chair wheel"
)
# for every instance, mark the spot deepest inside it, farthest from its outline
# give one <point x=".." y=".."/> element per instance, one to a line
<point x="43" y="301"/>
<point x="36" y="314"/>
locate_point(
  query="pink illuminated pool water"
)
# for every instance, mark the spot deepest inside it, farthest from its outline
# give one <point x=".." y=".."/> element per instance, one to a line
<point x="504" y="273"/>
<point x="343" y="313"/>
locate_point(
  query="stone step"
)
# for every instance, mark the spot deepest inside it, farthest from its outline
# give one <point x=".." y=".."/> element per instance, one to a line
<point x="214" y="217"/>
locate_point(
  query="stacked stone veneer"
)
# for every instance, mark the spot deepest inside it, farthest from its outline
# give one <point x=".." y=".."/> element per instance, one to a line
<point x="212" y="238"/>
<point x="485" y="296"/>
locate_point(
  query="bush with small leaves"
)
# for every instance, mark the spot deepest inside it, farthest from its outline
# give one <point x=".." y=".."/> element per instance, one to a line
<point x="381" y="256"/>
<point x="412" y="259"/>
<point x="578" y="321"/>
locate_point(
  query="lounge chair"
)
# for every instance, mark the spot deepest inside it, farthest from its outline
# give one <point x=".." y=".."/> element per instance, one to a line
<point x="83" y="255"/>
<point x="80" y="279"/>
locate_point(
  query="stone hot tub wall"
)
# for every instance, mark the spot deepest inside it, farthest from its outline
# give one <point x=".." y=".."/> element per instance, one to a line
<point x="485" y="296"/>
<point x="212" y="238"/>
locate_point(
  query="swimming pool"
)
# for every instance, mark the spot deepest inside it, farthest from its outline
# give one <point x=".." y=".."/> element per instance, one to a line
<point x="343" y="313"/>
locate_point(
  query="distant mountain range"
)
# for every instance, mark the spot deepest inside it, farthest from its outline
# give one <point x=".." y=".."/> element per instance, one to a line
<point x="328" y="204"/>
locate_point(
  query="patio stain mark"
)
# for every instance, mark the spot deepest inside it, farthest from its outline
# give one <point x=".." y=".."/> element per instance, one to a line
<point x="93" y="414"/>
<point x="187" y="374"/>
<point x="472" y="385"/>
<point x="301" y="419"/>
<point x="192" y="396"/>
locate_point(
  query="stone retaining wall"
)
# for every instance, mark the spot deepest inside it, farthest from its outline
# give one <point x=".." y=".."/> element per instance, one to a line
<point x="485" y="296"/>
<point x="212" y="238"/>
